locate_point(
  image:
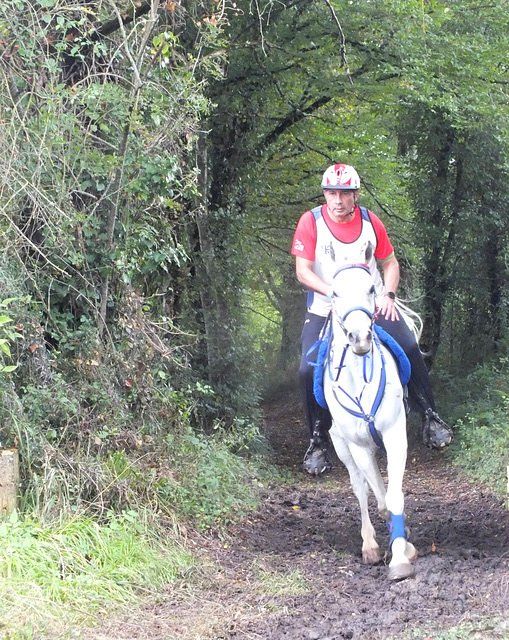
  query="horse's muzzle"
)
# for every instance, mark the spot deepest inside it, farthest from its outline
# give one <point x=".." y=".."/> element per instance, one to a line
<point x="360" y="341"/>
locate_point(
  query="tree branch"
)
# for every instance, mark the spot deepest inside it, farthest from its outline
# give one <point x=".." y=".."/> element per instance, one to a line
<point x="140" y="9"/>
<point x="296" y="115"/>
<point x="344" y="61"/>
<point x="261" y="314"/>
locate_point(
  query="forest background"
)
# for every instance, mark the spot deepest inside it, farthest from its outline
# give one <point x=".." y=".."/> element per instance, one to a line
<point x="156" y="158"/>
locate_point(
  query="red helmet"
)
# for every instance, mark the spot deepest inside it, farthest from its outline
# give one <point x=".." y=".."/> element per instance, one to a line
<point x="341" y="176"/>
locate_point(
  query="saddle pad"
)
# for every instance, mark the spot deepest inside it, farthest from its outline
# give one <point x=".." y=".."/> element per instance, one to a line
<point x="399" y="355"/>
<point x="323" y="345"/>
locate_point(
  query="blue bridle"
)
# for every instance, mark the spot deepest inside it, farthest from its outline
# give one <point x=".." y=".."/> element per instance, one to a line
<point x="364" y="267"/>
<point x="360" y="413"/>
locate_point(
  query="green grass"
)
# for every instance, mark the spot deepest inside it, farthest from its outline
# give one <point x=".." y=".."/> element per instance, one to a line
<point x="217" y="479"/>
<point x="484" y="447"/>
<point x="275" y="583"/>
<point x="481" y="629"/>
<point x="67" y="574"/>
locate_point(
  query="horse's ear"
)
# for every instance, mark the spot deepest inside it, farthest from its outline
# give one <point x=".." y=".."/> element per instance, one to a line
<point x="369" y="252"/>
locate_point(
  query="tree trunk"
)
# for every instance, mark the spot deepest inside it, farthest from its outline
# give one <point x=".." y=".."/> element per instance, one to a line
<point x="9" y="480"/>
<point x="214" y="302"/>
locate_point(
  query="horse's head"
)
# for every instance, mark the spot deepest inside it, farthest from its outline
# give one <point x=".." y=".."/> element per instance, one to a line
<point x="353" y="304"/>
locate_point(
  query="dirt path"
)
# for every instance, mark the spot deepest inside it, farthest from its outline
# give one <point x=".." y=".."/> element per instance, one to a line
<point x="295" y="572"/>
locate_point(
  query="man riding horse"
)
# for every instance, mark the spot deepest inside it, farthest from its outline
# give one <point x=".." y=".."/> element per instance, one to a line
<point x="326" y="236"/>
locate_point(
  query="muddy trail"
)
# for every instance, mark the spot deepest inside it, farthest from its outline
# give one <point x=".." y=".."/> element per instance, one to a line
<point x="294" y="571"/>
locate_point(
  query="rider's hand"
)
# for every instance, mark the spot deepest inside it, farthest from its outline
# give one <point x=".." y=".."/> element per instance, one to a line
<point x="388" y="308"/>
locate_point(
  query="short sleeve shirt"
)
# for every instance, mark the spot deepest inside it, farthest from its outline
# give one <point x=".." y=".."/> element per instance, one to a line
<point x="304" y="241"/>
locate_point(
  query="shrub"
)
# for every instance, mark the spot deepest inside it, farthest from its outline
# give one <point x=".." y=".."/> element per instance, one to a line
<point x="482" y="434"/>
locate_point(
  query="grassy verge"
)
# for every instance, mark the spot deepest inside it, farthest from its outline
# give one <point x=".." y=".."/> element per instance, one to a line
<point x="69" y="574"/>
<point x="484" y="446"/>
<point x="60" y="572"/>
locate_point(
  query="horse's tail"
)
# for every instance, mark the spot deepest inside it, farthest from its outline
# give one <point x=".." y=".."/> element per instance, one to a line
<point x="412" y="319"/>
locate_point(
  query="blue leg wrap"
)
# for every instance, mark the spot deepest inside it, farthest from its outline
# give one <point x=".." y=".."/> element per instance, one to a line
<point x="396" y="528"/>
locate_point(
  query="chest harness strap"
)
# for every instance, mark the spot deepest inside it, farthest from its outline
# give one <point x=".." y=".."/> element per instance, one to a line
<point x="368" y="417"/>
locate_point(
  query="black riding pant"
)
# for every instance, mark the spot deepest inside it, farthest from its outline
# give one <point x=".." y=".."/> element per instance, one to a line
<point x="419" y="386"/>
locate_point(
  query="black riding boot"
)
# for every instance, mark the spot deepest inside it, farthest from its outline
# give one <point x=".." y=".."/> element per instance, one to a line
<point x="317" y="461"/>
<point x="436" y="434"/>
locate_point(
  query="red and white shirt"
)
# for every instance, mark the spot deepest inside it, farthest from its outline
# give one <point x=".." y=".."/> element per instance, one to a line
<point x="329" y="245"/>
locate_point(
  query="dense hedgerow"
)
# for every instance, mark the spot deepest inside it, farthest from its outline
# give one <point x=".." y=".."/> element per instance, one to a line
<point x="478" y="405"/>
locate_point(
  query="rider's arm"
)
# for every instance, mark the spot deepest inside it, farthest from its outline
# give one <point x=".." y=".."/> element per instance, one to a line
<point x="390" y="267"/>
<point x="307" y="277"/>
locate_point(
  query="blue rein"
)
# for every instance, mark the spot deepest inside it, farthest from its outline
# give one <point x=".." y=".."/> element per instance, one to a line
<point x="368" y="417"/>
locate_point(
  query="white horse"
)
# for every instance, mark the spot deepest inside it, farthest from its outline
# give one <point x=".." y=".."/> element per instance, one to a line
<point x="363" y="391"/>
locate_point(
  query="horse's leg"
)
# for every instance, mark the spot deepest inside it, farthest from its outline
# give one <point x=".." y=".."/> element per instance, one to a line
<point x="365" y="460"/>
<point x="403" y="552"/>
<point x="370" y="548"/>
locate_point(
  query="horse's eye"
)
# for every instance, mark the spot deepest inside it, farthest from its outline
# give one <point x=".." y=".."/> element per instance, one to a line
<point x="372" y="290"/>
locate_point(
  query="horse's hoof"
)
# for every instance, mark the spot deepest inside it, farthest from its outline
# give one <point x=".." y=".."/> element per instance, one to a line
<point x="371" y="556"/>
<point x="401" y="572"/>
<point x="410" y="551"/>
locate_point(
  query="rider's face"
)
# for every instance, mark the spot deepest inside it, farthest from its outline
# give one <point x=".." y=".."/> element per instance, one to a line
<point x="340" y="204"/>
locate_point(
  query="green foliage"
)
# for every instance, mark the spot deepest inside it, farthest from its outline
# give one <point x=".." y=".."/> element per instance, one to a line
<point x="7" y="337"/>
<point x="482" y="434"/>
<point x="100" y="117"/>
<point x="485" y="447"/>
<point x="212" y="486"/>
<point x="418" y="103"/>
<point x="112" y="434"/>
<point x="154" y="169"/>
<point x="64" y="574"/>
<point x="458" y="217"/>
<point x="102" y="156"/>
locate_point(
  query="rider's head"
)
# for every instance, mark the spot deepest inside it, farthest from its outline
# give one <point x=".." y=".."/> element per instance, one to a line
<point x="341" y="177"/>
